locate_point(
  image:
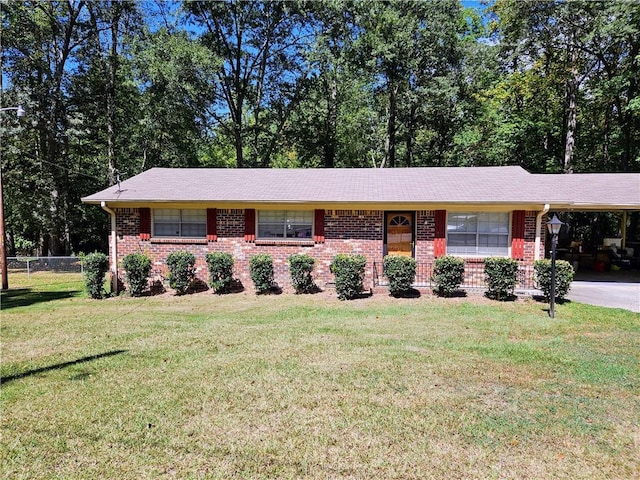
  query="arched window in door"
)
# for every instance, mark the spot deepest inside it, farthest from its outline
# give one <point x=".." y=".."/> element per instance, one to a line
<point x="400" y="221"/>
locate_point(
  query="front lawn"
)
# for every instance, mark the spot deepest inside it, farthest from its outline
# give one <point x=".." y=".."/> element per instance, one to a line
<point x="291" y="386"/>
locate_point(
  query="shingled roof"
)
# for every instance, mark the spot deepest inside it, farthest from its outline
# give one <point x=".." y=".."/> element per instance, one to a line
<point x="430" y="185"/>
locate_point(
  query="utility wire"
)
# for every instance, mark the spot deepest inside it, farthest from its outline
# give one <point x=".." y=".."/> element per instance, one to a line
<point x="36" y="159"/>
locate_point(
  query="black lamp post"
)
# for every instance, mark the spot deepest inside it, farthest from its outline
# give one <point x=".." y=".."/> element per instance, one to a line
<point x="554" y="225"/>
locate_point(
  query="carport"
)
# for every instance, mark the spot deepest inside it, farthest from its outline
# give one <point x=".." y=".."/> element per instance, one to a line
<point x="599" y="240"/>
<point x="599" y="195"/>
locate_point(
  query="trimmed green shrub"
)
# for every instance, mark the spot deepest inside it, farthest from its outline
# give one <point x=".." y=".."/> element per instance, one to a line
<point x="301" y="267"/>
<point x="401" y="273"/>
<point x="95" y="266"/>
<point x="564" y="277"/>
<point x="182" y="270"/>
<point x="447" y="276"/>
<point x="501" y="274"/>
<point x="349" y="273"/>
<point x="137" y="267"/>
<point x="220" y="265"/>
<point x="261" y="272"/>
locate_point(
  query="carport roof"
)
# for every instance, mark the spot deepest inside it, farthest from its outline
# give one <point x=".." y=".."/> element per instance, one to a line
<point x="428" y="185"/>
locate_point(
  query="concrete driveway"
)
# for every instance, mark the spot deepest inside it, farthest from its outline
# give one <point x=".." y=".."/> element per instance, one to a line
<point x="607" y="289"/>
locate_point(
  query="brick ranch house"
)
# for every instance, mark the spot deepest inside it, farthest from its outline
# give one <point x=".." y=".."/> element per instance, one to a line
<point x="472" y="212"/>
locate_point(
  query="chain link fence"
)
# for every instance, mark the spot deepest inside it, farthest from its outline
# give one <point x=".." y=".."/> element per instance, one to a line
<point x="31" y="265"/>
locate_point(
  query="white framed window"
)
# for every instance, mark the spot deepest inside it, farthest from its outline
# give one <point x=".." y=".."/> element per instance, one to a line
<point x="285" y="224"/>
<point x="168" y="222"/>
<point x="478" y="233"/>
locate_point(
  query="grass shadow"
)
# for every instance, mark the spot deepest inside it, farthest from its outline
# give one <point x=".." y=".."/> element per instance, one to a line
<point x="24" y="297"/>
<point x="59" y="366"/>
<point x="543" y="299"/>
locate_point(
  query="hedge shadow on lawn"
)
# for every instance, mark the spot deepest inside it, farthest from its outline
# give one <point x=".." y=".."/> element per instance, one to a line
<point x="236" y="286"/>
<point x="411" y="293"/>
<point x="197" y="286"/>
<point x="24" y="297"/>
<point x="362" y="295"/>
<point x="312" y="291"/>
<point x="274" y="289"/>
<point x="507" y="298"/>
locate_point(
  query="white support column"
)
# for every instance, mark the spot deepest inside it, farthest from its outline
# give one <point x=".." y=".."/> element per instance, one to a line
<point x="114" y="251"/>
<point x="541" y="214"/>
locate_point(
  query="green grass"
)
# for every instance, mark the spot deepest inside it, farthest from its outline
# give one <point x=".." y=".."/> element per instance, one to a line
<point x="291" y="386"/>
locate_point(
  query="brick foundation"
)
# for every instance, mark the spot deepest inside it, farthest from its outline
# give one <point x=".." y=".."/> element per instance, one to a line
<point x="346" y="231"/>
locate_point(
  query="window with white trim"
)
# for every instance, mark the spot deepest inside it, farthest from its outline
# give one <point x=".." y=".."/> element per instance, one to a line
<point x="285" y="224"/>
<point x="478" y="233"/>
<point x="179" y="223"/>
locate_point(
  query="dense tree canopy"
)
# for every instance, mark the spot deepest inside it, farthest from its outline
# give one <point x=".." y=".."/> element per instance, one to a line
<point x="113" y="88"/>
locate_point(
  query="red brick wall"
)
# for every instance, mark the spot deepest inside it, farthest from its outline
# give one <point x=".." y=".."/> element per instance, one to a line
<point x="425" y="234"/>
<point x="530" y="237"/>
<point x="346" y="231"/>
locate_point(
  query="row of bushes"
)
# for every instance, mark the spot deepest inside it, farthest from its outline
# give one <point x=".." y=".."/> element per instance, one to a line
<point x="447" y="277"/>
<point x="501" y="275"/>
<point x="182" y="272"/>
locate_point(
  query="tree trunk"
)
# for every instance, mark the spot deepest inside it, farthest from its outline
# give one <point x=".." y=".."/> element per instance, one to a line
<point x="629" y="147"/>
<point x="237" y="140"/>
<point x="331" y="124"/>
<point x="572" y="109"/>
<point x="111" y="100"/>
<point x="567" y="164"/>
<point x="411" y="127"/>
<point x="390" y="143"/>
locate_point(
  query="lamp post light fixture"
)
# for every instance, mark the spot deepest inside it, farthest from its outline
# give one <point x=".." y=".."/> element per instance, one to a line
<point x="20" y="112"/>
<point x="554" y="225"/>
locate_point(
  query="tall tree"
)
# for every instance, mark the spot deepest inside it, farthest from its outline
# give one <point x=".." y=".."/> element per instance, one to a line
<point x="111" y="24"/>
<point x="40" y="40"/>
<point x="262" y="74"/>
<point x="330" y="127"/>
<point x="577" y="46"/>
<point x="411" y="50"/>
<point x="175" y="76"/>
<point x="614" y="42"/>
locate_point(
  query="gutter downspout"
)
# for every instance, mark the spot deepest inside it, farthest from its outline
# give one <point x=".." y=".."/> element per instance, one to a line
<point x="545" y="209"/>
<point x="114" y="251"/>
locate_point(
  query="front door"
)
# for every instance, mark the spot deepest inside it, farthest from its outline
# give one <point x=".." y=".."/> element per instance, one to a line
<point x="399" y="238"/>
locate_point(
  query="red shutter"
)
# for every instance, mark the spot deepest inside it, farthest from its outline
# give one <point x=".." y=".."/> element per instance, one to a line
<point x="517" y="234"/>
<point x="318" y="226"/>
<point x="145" y="223"/>
<point x="440" y="238"/>
<point x="212" y="224"/>
<point x="249" y="225"/>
